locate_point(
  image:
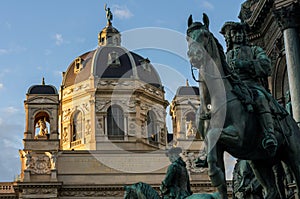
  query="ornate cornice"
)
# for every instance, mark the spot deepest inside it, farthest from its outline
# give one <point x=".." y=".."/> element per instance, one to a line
<point x="92" y="190"/>
<point x="259" y="14"/>
<point x="287" y="16"/>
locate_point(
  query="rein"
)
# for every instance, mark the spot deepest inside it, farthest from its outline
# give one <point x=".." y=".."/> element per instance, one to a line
<point x="209" y="75"/>
<point x="226" y="102"/>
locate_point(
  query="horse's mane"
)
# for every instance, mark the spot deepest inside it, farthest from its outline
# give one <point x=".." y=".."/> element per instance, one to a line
<point x="147" y="190"/>
<point x="224" y="63"/>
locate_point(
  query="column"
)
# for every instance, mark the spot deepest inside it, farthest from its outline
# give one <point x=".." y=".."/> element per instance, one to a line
<point x="286" y="16"/>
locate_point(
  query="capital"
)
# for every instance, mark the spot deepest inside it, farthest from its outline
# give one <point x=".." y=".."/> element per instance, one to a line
<point x="287" y="16"/>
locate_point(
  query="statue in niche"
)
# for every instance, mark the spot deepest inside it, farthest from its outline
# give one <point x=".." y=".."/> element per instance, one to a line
<point x="190" y="129"/>
<point x="88" y="127"/>
<point x="65" y="135"/>
<point x="41" y="124"/>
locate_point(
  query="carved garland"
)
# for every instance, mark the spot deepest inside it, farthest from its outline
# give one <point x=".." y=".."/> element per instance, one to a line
<point x="39" y="190"/>
<point x="94" y="193"/>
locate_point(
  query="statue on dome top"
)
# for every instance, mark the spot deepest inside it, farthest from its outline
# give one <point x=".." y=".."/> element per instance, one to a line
<point x="109" y="15"/>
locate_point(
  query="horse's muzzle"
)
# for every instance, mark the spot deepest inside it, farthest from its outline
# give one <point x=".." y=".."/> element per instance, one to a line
<point x="195" y="54"/>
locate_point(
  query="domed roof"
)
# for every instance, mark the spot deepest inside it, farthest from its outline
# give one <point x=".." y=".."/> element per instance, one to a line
<point x="110" y="60"/>
<point x="42" y="89"/>
<point x="98" y="63"/>
<point x="187" y="90"/>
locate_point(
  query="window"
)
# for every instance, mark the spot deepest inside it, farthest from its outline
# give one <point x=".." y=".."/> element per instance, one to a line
<point x="145" y="63"/>
<point x="115" y="123"/>
<point x="77" y="126"/>
<point x="78" y="65"/>
<point x="152" y="127"/>
<point x="113" y="59"/>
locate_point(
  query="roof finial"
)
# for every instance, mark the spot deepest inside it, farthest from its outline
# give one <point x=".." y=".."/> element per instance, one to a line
<point x="187" y="82"/>
<point x="109" y="15"/>
<point x="43" y="81"/>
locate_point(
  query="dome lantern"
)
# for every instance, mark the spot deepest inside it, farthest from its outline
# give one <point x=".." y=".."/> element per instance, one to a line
<point x="109" y="36"/>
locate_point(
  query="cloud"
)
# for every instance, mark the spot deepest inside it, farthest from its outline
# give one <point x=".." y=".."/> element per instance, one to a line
<point x="58" y="39"/>
<point x="122" y="12"/>
<point x="207" y="5"/>
<point x="39" y="68"/>
<point x="57" y="73"/>
<point x="10" y="110"/>
<point x="4" y="51"/>
<point x="13" y="49"/>
<point x="1" y="86"/>
<point x="10" y="143"/>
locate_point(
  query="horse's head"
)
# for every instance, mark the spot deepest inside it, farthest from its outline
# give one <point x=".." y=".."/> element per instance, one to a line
<point x="130" y="192"/>
<point x="199" y="39"/>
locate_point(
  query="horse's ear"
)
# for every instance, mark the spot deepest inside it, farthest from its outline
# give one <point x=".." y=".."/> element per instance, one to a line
<point x="206" y="20"/>
<point x="190" y="20"/>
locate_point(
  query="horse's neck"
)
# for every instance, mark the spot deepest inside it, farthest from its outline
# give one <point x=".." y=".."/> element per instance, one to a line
<point x="217" y="85"/>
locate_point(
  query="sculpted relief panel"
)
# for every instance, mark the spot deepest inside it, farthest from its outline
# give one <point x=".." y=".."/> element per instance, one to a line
<point x="67" y="112"/>
<point x="39" y="163"/>
<point x="70" y="91"/>
<point x="39" y="191"/>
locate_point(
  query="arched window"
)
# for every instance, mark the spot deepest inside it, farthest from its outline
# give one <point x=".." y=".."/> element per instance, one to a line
<point x="152" y="127"/>
<point x="115" y="123"/>
<point x="77" y="126"/>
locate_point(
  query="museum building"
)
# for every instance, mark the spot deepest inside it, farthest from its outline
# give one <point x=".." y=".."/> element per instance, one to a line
<point x="106" y="124"/>
<point x="104" y="128"/>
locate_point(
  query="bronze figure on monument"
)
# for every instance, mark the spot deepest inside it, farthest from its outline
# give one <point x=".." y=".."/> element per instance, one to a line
<point x="232" y="126"/>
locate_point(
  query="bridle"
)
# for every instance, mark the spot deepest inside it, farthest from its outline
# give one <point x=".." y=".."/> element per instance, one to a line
<point x="193" y="68"/>
<point x="208" y="74"/>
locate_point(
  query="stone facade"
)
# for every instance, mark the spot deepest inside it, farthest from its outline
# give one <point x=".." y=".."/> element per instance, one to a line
<point x="274" y="25"/>
<point x="105" y="128"/>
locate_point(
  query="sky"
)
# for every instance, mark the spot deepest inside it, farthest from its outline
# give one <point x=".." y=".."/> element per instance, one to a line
<point x="41" y="39"/>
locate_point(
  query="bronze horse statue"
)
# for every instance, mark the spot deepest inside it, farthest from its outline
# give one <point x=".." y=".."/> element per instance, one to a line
<point x="143" y="190"/>
<point x="226" y="123"/>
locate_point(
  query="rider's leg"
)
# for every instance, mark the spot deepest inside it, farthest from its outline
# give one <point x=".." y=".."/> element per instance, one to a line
<point x="269" y="141"/>
<point x="266" y="178"/>
<point x="279" y="179"/>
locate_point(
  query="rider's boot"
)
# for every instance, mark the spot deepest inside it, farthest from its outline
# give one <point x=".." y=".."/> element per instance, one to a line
<point x="269" y="142"/>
